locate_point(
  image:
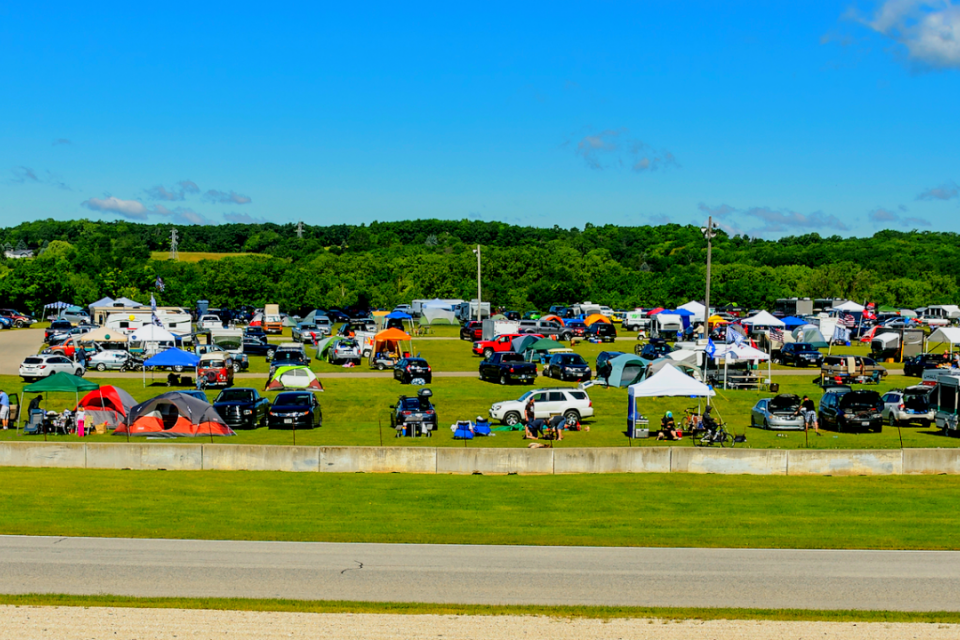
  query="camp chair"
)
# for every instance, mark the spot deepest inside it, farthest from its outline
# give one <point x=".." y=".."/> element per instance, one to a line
<point x="873" y="378"/>
<point x="34" y="424"/>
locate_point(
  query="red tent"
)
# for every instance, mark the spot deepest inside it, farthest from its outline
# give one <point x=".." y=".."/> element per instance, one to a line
<point x="174" y="414"/>
<point x="654" y="312"/>
<point x="106" y="405"/>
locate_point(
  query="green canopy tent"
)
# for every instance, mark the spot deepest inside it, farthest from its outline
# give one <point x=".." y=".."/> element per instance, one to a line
<point x="540" y="348"/>
<point x="58" y="383"/>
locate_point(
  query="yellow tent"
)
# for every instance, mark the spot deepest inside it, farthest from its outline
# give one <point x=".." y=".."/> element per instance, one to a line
<point x="717" y="320"/>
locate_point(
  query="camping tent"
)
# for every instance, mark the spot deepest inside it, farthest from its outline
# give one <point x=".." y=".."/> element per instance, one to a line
<point x="626" y="369"/>
<point x="943" y="335"/>
<point x="762" y="319"/>
<point x="437" y="315"/>
<point x="696" y="308"/>
<point x="390" y="342"/>
<point x="849" y="306"/>
<point x="663" y="362"/>
<point x="668" y="381"/>
<point x="324" y="345"/>
<point x="172" y="415"/>
<point x="103" y="334"/>
<point x="107" y="405"/>
<point x="596" y="317"/>
<point x="520" y="343"/>
<point x="540" y="347"/>
<point x="293" y="378"/>
<point x="102" y="302"/>
<point x="791" y="321"/>
<point x="810" y="333"/>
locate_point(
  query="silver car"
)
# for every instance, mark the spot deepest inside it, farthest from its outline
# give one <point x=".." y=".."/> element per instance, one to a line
<point x="47" y="364"/>
<point x="902" y="407"/>
<point x="108" y="359"/>
<point x="344" y="351"/>
<point x="780" y="412"/>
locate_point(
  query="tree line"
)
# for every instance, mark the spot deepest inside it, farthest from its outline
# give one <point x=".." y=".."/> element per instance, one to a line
<point x="386" y="263"/>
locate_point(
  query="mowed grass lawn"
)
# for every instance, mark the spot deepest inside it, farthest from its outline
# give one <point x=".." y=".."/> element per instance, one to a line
<point x="596" y="510"/>
<point x="355" y="408"/>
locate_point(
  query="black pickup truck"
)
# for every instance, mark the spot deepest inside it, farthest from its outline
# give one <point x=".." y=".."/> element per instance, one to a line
<point x="507" y="367"/>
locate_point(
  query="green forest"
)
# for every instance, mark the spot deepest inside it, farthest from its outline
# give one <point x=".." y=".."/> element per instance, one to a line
<point x="386" y="263"/>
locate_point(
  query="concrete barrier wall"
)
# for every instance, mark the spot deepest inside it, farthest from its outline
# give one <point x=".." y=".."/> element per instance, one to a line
<point x="764" y="462"/>
<point x="467" y="460"/>
<point x="931" y="461"/>
<point x="805" y="462"/>
<point x="230" y="457"/>
<point x="495" y="461"/>
<point x="612" y="460"/>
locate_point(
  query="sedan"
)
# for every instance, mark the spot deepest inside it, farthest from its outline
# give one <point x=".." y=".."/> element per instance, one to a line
<point x="295" y="410"/>
<point x="413" y="371"/>
<point x="108" y="359"/>
<point x="781" y="412"/>
<point x="45" y="365"/>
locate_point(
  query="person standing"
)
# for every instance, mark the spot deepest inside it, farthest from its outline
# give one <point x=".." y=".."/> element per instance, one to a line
<point x="529" y="412"/>
<point x="4" y="408"/>
<point x="809" y="412"/>
<point x="81" y="421"/>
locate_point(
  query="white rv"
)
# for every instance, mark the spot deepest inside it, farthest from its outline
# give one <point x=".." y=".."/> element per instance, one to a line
<point x="175" y="321"/>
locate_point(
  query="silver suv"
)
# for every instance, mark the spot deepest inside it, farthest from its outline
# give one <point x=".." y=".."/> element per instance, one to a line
<point x="902" y="407"/>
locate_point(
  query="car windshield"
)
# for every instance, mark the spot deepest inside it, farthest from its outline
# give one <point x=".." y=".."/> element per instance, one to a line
<point x="293" y="399"/>
<point x="286" y="355"/>
<point x="235" y="395"/>
<point x="803" y="346"/>
<point x="571" y="359"/>
<point x="415" y="404"/>
<point x="212" y="364"/>
<point x="417" y="361"/>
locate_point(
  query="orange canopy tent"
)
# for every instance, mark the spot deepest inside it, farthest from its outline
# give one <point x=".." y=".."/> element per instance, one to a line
<point x="389" y="343"/>
<point x="596" y="317"/>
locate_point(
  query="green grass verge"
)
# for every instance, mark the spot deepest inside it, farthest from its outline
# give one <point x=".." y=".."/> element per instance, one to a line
<point x="416" y="608"/>
<point x="659" y="510"/>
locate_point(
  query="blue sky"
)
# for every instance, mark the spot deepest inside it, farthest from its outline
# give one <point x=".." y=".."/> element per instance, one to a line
<point x="779" y="118"/>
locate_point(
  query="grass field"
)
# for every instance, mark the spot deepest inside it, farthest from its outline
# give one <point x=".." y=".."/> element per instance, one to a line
<point x="197" y="256"/>
<point x="354" y="409"/>
<point x="594" y="510"/>
<point x="663" y="614"/>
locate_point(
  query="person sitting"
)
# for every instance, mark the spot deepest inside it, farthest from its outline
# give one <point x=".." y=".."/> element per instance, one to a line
<point x="668" y="428"/>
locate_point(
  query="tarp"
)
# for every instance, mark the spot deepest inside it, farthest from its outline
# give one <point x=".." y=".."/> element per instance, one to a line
<point x="849" y="305"/>
<point x="152" y="333"/>
<point x="669" y="381"/>
<point x="626" y="370"/>
<point x="810" y="333"/>
<point x="173" y="358"/>
<point x="762" y="319"/>
<point x="107" y="405"/>
<point x="65" y="382"/>
<point x="172" y="415"/>
<point x="792" y="321"/>
<point x="596" y="317"/>
<point x="293" y="378"/>
<point x="437" y="315"/>
<point x="103" y="334"/>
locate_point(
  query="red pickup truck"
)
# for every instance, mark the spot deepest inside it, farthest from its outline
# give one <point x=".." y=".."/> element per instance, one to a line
<point x="473" y="330"/>
<point x="504" y="342"/>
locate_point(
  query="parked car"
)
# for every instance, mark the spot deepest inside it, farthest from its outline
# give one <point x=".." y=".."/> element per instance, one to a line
<point x="255" y="346"/>
<point x="346" y="350"/>
<point x="416" y="414"/>
<point x="601" y="331"/>
<point x="44" y="365"/>
<point x="576" y="328"/>
<point x="779" y="412"/>
<point x="903" y="407"/>
<point x="209" y="321"/>
<point x="305" y="332"/>
<point x="654" y="349"/>
<point x="511" y="315"/>
<point x="217" y="368"/>
<point x="242" y="408"/>
<point x="108" y="359"/>
<point x="19" y="319"/>
<point x="846" y="410"/>
<point x="501" y="343"/>
<point x="508" y="367"/>
<point x="255" y="332"/>
<point x="289" y="358"/>
<point x="799" y="354"/>
<point x="919" y="363"/>
<point x="336" y="315"/>
<point x="409" y="369"/>
<point x="62" y="336"/>
<point x="472" y="330"/>
<point x="573" y="404"/>
<point x="57" y="326"/>
<point x="295" y="410"/>
<point x="567" y="366"/>
<point x="239" y="361"/>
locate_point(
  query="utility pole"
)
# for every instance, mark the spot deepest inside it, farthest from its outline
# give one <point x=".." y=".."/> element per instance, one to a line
<point x="300" y="229"/>
<point x="709" y="233"/>
<point x="479" y="297"/>
<point x="174" y="254"/>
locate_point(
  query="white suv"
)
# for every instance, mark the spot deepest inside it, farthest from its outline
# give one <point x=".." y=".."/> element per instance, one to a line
<point x="47" y="364"/>
<point x="574" y="404"/>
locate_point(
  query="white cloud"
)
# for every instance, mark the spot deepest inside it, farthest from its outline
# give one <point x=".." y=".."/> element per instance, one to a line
<point x="781" y="221"/>
<point x="946" y="191"/>
<point x="928" y="31"/>
<point x="884" y="218"/>
<point x="223" y="197"/>
<point x="132" y="209"/>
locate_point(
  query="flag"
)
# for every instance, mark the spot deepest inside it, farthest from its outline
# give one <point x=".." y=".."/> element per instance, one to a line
<point x="776" y="334"/>
<point x="848" y="321"/>
<point x="841" y="333"/>
<point x="869" y="315"/>
<point x="153" y="311"/>
<point x="711" y="348"/>
<point x="160" y="284"/>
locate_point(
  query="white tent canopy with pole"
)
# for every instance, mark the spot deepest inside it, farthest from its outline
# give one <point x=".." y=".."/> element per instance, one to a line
<point x="740" y="353"/>
<point x="763" y="319"/>
<point x="697" y="309"/>
<point x="945" y="335"/>
<point x="669" y="381"/>
<point x="849" y="306"/>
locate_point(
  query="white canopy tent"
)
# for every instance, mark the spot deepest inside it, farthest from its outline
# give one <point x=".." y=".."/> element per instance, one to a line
<point x="741" y="353"/>
<point x="763" y="319"/>
<point x="669" y="381"/>
<point x="152" y="339"/>
<point x="697" y="309"/>
<point x="945" y="335"/>
<point x="849" y="305"/>
<point x="438" y="315"/>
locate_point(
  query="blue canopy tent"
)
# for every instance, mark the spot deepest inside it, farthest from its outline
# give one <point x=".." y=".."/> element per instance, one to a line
<point x="171" y="358"/>
<point x="791" y="322"/>
<point x="398" y="315"/>
<point x="685" y="316"/>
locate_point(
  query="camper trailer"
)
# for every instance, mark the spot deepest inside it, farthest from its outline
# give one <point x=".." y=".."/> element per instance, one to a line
<point x="416" y="307"/>
<point x="896" y="344"/>
<point x="173" y="319"/>
<point x="797" y="307"/>
<point x="468" y="310"/>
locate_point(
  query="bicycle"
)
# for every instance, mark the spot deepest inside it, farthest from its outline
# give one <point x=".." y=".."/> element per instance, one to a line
<point x="715" y="436"/>
<point x="691" y="421"/>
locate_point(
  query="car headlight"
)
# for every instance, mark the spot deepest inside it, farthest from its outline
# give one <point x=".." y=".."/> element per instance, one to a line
<point x="496" y="407"/>
<point x="247" y="412"/>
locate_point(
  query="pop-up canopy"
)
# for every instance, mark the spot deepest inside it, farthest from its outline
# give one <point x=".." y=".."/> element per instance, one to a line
<point x="669" y="381"/>
<point x="763" y="319"/>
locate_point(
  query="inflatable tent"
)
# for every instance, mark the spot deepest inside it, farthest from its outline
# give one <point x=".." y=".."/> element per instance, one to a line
<point x="293" y="378"/>
<point x="174" y="415"/>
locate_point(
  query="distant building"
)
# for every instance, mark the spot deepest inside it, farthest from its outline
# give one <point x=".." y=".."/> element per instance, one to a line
<point x="18" y="253"/>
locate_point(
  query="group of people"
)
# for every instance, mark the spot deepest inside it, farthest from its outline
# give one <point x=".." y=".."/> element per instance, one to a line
<point x="535" y="428"/>
<point x="669" y="430"/>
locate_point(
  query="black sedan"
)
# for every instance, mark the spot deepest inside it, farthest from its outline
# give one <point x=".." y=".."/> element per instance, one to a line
<point x="255" y="332"/>
<point x="242" y="408"/>
<point x="414" y="416"/>
<point x="410" y="369"/>
<point x="258" y="347"/>
<point x="295" y="410"/>
<point x="567" y="366"/>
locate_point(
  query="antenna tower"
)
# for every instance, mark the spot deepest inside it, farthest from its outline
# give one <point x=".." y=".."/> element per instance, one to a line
<point x="300" y="229"/>
<point x="174" y="255"/>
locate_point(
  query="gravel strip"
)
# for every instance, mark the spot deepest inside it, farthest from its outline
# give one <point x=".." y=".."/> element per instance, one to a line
<point x="78" y="623"/>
